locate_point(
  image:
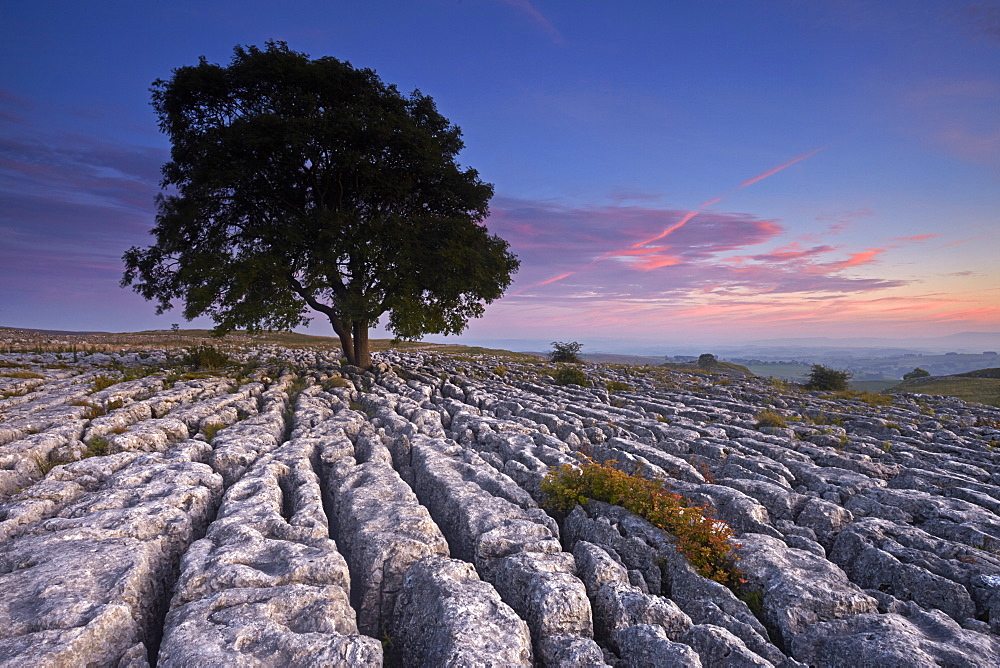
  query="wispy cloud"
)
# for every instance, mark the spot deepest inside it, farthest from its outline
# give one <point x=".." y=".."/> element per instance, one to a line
<point x="530" y="11"/>
<point x="918" y="237"/>
<point x="563" y="256"/>
<point x="775" y="170"/>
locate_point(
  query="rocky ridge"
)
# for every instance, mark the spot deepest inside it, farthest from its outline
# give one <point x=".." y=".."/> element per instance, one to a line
<point x="309" y="513"/>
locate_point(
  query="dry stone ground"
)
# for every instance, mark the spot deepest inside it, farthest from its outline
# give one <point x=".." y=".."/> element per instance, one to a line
<point x="305" y="513"/>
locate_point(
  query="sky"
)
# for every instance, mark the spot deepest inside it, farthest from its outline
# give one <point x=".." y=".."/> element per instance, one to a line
<point x="702" y="170"/>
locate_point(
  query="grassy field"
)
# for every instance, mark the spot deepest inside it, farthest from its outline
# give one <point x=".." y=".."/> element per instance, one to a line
<point x="724" y="368"/>
<point x="981" y="390"/>
<point x="872" y="385"/>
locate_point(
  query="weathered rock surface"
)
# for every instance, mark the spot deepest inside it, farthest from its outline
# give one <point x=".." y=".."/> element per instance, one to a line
<point x="314" y="513"/>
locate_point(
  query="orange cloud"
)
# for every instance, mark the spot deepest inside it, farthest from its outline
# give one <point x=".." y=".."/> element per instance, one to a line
<point x="772" y="172"/>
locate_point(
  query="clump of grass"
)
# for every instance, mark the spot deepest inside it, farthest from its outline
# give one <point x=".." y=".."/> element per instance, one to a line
<point x="96" y="447"/>
<point x="331" y="383"/>
<point x="103" y="382"/>
<point x="44" y="465"/>
<point x="211" y="429"/>
<point x="703" y="540"/>
<point x="617" y="386"/>
<point x="21" y="374"/>
<point x="570" y="375"/>
<point x="500" y="370"/>
<point x="771" y="419"/>
<point x="824" y="419"/>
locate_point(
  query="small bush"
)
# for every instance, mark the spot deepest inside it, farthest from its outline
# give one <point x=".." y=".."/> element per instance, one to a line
<point x="206" y="358"/>
<point x="827" y="379"/>
<point x="771" y="419"/>
<point x="707" y="361"/>
<point x="916" y="373"/>
<point x="704" y="541"/>
<point x="566" y="352"/>
<point x="570" y="375"/>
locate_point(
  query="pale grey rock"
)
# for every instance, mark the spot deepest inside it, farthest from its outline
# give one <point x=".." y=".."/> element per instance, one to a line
<point x="293" y="625"/>
<point x="718" y="648"/>
<point x="446" y="616"/>
<point x="647" y="646"/>
<point x="859" y="551"/>
<point x="825" y="518"/>
<point x="597" y="568"/>
<point x="799" y="588"/>
<point x="65" y="600"/>
<point x="382" y="530"/>
<point x="741" y="512"/>
<point x="618" y="605"/>
<point x="568" y="650"/>
<point x="895" y="641"/>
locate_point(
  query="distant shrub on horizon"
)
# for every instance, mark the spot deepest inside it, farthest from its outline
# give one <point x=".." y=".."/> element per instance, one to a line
<point x="827" y="379"/>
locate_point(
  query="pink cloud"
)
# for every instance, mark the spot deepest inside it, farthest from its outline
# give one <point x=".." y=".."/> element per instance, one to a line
<point x="918" y="237"/>
<point x="775" y="170"/>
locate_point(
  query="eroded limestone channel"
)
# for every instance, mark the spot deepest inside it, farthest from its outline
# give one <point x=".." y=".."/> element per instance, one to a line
<point x="308" y="513"/>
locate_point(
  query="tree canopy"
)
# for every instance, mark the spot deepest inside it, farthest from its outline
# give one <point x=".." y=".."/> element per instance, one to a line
<point x="565" y="352"/>
<point x="825" y="378"/>
<point x="297" y="184"/>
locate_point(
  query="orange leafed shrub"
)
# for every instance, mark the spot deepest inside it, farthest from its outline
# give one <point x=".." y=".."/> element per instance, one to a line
<point x="703" y="540"/>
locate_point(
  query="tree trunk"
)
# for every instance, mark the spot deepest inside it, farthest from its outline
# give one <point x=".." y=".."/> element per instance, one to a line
<point x="354" y="342"/>
<point x="362" y="353"/>
<point x="346" y="340"/>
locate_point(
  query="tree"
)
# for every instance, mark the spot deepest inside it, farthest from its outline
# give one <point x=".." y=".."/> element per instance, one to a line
<point x="916" y="373"/>
<point x="298" y="184"/>
<point x="565" y="352"/>
<point x="825" y="378"/>
<point x="707" y="361"/>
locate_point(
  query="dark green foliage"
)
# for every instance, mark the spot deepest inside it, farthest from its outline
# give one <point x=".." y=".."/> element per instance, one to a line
<point x="825" y="378"/>
<point x="707" y="361"/>
<point x="916" y="373"/>
<point x="204" y="358"/>
<point x="566" y="352"/>
<point x="570" y="375"/>
<point x="298" y="184"/>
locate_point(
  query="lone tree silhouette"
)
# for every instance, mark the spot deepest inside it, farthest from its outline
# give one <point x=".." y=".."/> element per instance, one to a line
<point x="298" y="184"/>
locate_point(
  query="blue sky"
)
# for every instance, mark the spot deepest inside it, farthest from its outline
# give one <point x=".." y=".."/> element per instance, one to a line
<point x="719" y="170"/>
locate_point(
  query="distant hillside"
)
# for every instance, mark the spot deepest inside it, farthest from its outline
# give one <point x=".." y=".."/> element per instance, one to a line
<point x="12" y="339"/>
<point x="982" y="386"/>
<point x="723" y="368"/>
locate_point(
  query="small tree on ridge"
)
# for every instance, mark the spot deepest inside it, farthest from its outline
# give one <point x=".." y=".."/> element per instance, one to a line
<point x="565" y="352"/>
